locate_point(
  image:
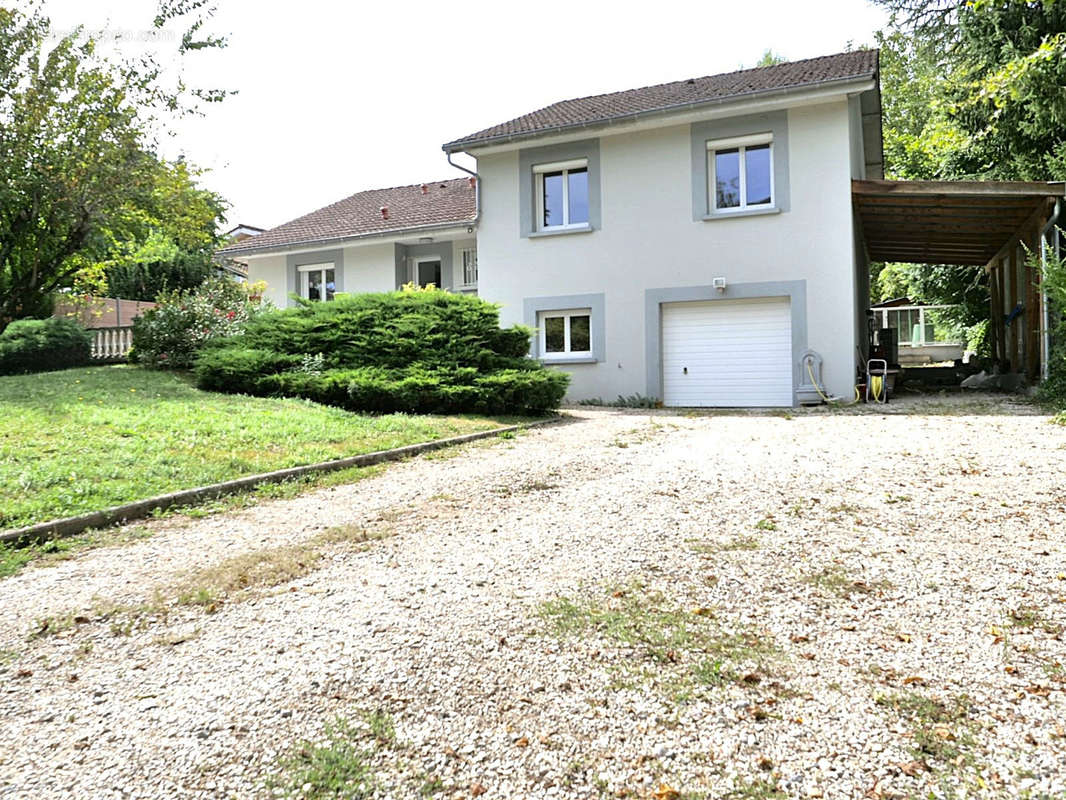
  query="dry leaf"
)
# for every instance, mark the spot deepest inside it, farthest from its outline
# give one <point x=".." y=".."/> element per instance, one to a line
<point x="703" y="612"/>
<point x="903" y="637"/>
<point x="477" y="789"/>
<point x="914" y="679"/>
<point x="521" y="742"/>
<point x="665" y="792"/>
<point x="800" y="637"/>
<point x="912" y="768"/>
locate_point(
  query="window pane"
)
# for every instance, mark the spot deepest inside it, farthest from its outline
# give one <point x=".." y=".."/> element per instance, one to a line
<point x="331" y="284"/>
<point x="578" y="180"/>
<point x="580" y="341"/>
<point x="314" y="282"/>
<point x="553" y="198"/>
<point x="727" y="178"/>
<point x="554" y="338"/>
<point x="757" y="164"/>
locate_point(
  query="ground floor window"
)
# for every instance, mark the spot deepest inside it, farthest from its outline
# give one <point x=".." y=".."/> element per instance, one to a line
<point x="317" y="281"/>
<point x="565" y="334"/>
<point x="469" y="255"/>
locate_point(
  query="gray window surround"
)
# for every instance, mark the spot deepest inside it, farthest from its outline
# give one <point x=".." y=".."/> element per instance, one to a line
<point x="530" y="157"/>
<point x="774" y="122"/>
<point x="317" y="257"/>
<point x="796" y="291"/>
<point x="532" y="306"/>
<point x="441" y="250"/>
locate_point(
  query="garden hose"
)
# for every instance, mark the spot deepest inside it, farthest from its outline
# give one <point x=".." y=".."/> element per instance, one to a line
<point x="877" y="386"/>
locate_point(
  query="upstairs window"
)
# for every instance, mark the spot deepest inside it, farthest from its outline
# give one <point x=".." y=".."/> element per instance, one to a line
<point x="562" y="195"/>
<point x="317" y="281"/>
<point x="741" y="173"/>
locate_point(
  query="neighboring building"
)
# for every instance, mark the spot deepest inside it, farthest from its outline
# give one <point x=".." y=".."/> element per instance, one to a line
<point x="373" y="241"/>
<point x="704" y="242"/>
<point x="238" y="270"/>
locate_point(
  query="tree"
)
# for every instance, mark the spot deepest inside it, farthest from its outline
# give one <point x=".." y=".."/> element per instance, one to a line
<point x="769" y="58"/>
<point x="77" y="136"/>
<point x="970" y="89"/>
<point x="176" y="234"/>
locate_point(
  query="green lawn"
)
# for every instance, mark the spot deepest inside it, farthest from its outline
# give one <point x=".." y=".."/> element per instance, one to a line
<point x="85" y="439"/>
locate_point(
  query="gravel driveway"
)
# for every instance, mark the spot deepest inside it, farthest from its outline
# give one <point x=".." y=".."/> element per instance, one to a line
<point x="629" y="604"/>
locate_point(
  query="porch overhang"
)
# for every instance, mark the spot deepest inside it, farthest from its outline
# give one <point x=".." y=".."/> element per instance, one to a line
<point x="948" y="222"/>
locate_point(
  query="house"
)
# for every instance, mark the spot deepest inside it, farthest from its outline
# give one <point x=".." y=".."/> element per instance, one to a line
<point x="699" y="242"/>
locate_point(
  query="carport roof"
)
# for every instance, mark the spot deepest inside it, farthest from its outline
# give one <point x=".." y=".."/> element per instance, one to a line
<point x="947" y="222"/>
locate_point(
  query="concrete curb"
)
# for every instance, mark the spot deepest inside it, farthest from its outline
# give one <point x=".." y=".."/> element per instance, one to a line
<point x="59" y="528"/>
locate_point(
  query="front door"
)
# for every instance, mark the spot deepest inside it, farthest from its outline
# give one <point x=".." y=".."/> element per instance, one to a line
<point x="429" y="272"/>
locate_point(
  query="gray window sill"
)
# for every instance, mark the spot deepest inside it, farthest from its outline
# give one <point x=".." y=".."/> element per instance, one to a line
<point x="561" y="232"/>
<point x="575" y="360"/>
<point x="747" y="212"/>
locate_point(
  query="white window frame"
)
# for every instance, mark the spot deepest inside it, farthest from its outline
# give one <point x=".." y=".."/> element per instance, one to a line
<point x="538" y="181"/>
<point x="739" y="143"/>
<point x="421" y="260"/>
<point x="567" y="353"/>
<point x="304" y="270"/>
<point x="468" y="261"/>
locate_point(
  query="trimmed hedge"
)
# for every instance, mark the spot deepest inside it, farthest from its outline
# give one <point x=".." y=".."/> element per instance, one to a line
<point x="43" y="345"/>
<point x="419" y="351"/>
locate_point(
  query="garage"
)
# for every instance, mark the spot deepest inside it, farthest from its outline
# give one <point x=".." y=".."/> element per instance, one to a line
<point x="733" y="353"/>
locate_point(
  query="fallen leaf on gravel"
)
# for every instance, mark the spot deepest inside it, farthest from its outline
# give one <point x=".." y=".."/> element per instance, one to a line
<point x="943" y="733"/>
<point x="800" y="637"/>
<point x="618" y="593"/>
<point x="914" y="679"/>
<point x="24" y="673"/>
<point x="72" y="677"/>
<point x="1042" y="691"/>
<point x="521" y="742"/>
<point x="1010" y="670"/>
<point x="81" y="620"/>
<point x="912" y="768"/>
<point x="448" y="751"/>
<point x="703" y="612"/>
<point x="665" y="792"/>
<point x="808" y="656"/>
<point x="752" y="678"/>
<point x="903" y="637"/>
<point x="1060" y="732"/>
<point x="477" y="789"/>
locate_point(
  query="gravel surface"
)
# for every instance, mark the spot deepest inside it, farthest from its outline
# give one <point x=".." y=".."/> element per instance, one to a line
<point x="629" y="604"/>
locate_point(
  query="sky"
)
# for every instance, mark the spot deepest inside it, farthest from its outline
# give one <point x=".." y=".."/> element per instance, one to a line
<point x="335" y="97"/>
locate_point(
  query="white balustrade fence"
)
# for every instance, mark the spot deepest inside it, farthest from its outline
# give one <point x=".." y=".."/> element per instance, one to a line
<point x="111" y="344"/>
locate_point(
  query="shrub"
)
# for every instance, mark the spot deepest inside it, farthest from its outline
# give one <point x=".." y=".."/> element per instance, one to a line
<point x="419" y="351"/>
<point x="40" y="345"/>
<point x="171" y="335"/>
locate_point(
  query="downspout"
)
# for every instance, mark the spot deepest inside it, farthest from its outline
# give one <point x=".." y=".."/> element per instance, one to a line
<point x="477" y="185"/>
<point x="1045" y="354"/>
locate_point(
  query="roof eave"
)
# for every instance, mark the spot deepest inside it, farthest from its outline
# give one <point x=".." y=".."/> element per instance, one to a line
<point x="464" y="145"/>
<point x="334" y="240"/>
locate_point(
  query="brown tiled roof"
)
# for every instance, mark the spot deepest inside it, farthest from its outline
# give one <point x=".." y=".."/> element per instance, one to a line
<point x="443" y="203"/>
<point x="605" y="108"/>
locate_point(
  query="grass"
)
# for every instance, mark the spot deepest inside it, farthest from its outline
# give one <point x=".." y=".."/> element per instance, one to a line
<point x="338" y="767"/>
<point x="836" y="581"/>
<point x="680" y="649"/>
<point x="231" y="580"/>
<point x="85" y="439"/>
<point x="941" y="730"/>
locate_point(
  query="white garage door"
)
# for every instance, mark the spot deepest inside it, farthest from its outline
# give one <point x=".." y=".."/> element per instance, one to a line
<point x="727" y="353"/>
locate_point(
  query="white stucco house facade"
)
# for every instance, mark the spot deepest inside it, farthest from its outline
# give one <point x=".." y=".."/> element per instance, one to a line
<point x="693" y="242"/>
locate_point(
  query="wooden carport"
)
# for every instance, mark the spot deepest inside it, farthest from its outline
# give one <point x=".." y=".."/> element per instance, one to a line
<point x="988" y="224"/>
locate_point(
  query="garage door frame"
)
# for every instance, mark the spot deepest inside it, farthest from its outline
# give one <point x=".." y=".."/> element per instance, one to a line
<point x="796" y="291"/>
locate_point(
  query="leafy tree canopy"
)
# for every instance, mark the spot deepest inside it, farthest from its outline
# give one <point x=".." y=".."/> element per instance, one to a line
<point x="78" y="136"/>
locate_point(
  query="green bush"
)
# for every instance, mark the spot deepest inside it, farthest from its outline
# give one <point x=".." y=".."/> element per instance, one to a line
<point x="418" y="351"/>
<point x="40" y="345"/>
<point x="171" y="335"/>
